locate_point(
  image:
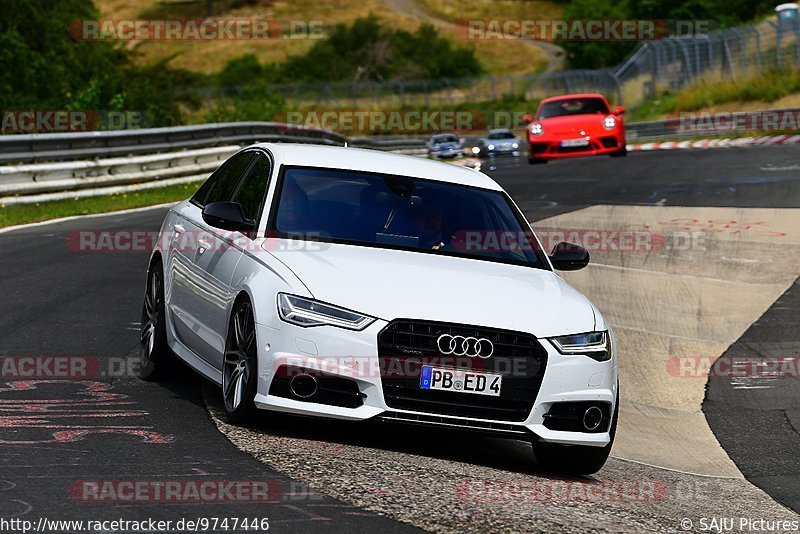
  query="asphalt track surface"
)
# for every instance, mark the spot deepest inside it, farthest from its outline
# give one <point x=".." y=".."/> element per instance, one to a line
<point x="58" y="302"/>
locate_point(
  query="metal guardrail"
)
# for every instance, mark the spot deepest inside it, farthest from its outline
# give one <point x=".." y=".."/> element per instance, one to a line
<point x="88" y="145"/>
<point x="35" y="178"/>
<point x="29" y="148"/>
<point x="53" y="166"/>
<point x="176" y="155"/>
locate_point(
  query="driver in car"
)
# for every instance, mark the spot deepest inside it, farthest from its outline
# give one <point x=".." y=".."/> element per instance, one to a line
<point x="427" y="222"/>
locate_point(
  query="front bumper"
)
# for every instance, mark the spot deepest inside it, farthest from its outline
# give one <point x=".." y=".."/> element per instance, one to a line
<point x="550" y="148"/>
<point x="500" y="152"/>
<point x="353" y="355"/>
<point x="448" y="153"/>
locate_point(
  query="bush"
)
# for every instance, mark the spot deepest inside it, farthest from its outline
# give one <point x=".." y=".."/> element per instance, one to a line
<point x="369" y="50"/>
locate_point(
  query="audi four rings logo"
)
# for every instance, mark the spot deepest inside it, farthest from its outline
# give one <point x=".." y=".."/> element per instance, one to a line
<point x="465" y="346"/>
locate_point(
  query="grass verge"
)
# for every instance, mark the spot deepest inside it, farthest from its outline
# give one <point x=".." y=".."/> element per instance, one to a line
<point x="757" y="91"/>
<point x="28" y="213"/>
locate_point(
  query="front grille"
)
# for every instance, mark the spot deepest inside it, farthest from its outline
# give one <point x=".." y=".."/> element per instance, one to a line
<point x="576" y="149"/>
<point x="406" y="345"/>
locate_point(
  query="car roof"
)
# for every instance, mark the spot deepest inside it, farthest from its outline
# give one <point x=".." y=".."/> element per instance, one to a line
<point x="501" y="130"/>
<point x="443" y="135"/>
<point x="576" y="95"/>
<point x="358" y="159"/>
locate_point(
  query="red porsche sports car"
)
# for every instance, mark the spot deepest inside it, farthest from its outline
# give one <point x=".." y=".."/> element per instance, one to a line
<point x="575" y="125"/>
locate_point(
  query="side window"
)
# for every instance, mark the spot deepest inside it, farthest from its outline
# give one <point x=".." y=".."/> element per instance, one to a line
<point x="220" y="186"/>
<point x="253" y="188"/>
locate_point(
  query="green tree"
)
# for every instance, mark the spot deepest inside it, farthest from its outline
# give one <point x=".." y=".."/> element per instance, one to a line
<point x="45" y="67"/>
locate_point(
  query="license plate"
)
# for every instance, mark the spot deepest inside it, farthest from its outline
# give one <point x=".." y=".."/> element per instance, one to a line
<point x="460" y="381"/>
<point x="574" y="142"/>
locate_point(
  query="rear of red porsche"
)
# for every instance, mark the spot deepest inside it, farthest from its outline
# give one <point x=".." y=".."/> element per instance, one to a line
<point x="574" y="126"/>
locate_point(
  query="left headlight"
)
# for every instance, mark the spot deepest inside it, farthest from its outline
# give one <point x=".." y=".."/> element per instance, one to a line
<point x="307" y="312"/>
<point x="596" y="345"/>
<point x="609" y="122"/>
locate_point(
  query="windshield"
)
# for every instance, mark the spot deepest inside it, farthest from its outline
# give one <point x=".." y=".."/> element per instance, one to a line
<point x="445" y="139"/>
<point x="573" y="106"/>
<point x="501" y="135"/>
<point x="403" y="213"/>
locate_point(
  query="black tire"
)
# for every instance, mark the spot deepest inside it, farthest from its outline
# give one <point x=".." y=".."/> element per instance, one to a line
<point x="620" y="153"/>
<point x="156" y="360"/>
<point x="240" y="365"/>
<point x="534" y="161"/>
<point x="577" y="460"/>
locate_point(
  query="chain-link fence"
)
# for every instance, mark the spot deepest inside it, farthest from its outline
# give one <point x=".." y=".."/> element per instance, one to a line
<point x="667" y="64"/>
<point x="677" y="62"/>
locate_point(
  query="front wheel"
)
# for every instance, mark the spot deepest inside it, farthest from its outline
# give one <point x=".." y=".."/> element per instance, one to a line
<point x="155" y="356"/>
<point x="240" y="367"/>
<point x="621" y="153"/>
<point x="577" y="460"/>
<point x="533" y="161"/>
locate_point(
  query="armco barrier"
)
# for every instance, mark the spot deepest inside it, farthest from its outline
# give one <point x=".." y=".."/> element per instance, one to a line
<point x="87" y="145"/>
<point x="72" y="175"/>
<point x="100" y="161"/>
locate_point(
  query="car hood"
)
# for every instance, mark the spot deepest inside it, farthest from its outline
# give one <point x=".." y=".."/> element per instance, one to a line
<point x="391" y="284"/>
<point x="573" y="124"/>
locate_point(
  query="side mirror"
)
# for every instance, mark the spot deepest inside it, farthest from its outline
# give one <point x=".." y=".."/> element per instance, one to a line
<point x="227" y="216"/>
<point x="569" y="257"/>
<point x="619" y="110"/>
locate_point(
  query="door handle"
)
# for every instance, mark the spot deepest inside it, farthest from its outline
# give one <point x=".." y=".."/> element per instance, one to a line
<point x="179" y="229"/>
<point x="203" y="245"/>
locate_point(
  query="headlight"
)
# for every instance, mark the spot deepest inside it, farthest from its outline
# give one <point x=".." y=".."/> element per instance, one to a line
<point x="515" y="145"/>
<point x="490" y="147"/>
<point x="596" y="345"/>
<point x="476" y="150"/>
<point x="609" y="122"/>
<point x="306" y="312"/>
<point x="537" y="129"/>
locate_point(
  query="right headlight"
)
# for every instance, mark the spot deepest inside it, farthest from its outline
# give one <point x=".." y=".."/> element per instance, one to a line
<point x="596" y="345"/>
<point x="307" y="312"/>
<point x="537" y="128"/>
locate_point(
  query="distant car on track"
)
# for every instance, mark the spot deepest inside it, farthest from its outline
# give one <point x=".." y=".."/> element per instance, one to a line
<point x="359" y="285"/>
<point x="576" y="125"/>
<point x="446" y="145"/>
<point x="499" y="142"/>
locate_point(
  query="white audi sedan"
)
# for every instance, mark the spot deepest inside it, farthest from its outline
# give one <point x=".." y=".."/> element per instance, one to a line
<point x="362" y="285"/>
